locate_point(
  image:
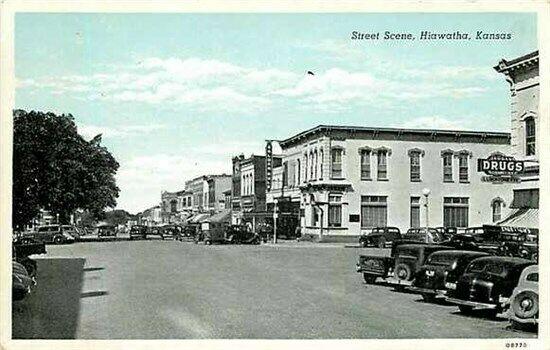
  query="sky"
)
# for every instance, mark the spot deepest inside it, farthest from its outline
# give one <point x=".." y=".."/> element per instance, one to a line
<point x="177" y="95"/>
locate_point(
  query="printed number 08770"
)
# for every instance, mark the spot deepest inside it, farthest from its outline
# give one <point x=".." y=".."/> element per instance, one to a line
<point x="516" y="345"/>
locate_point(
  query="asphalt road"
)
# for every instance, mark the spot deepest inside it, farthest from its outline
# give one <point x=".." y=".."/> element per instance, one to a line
<point x="167" y="289"/>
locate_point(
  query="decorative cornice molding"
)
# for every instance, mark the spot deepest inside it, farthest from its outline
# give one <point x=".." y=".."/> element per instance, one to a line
<point x="415" y="150"/>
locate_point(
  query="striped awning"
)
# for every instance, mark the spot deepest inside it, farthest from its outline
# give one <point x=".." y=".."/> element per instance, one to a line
<point x="523" y="217"/>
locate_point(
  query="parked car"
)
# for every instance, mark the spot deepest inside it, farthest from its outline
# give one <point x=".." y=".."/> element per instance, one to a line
<point x="23" y="248"/>
<point x="441" y="271"/>
<point x="70" y="229"/>
<point x="138" y="231"/>
<point x="51" y="234"/>
<point x="400" y="267"/>
<point x="21" y="281"/>
<point x="447" y="232"/>
<point x="187" y="231"/>
<point x="498" y="240"/>
<point x="108" y="231"/>
<point x="487" y="283"/>
<point x="380" y="237"/>
<point x="523" y="305"/>
<point x="169" y="231"/>
<point x="240" y="234"/>
<point x="529" y="248"/>
<point x="213" y="232"/>
<point x="423" y="235"/>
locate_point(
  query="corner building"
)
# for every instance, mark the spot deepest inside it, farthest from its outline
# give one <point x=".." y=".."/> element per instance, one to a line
<point x="351" y="179"/>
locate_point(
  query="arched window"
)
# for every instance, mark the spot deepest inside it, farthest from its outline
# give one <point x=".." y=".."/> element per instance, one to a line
<point x="497" y="205"/>
<point x="530" y="136"/>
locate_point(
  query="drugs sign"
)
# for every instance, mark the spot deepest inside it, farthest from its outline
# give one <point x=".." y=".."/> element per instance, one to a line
<point x="500" y="168"/>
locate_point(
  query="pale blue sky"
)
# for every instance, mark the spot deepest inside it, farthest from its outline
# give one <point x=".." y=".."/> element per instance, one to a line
<point x="176" y="95"/>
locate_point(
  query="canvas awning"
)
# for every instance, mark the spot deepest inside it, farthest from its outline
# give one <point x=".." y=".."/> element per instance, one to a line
<point x="198" y="218"/>
<point x="524" y="217"/>
<point x="223" y="216"/>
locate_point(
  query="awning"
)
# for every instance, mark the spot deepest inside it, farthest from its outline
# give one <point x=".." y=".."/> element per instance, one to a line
<point x="528" y="218"/>
<point x="528" y="198"/>
<point x="198" y="218"/>
<point x="223" y="216"/>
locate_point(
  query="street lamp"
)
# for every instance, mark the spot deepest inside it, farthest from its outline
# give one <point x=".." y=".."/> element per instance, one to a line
<point x="426" y="193"/>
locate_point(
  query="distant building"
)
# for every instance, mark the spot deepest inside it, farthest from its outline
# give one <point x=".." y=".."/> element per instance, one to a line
<point x="151" y="216"/>
<point x="207" y="192"/>
<point x="522" y="73"/>
<point x="339" y="180"/>
<point x="249" y="190"/>
<point x="175" y="206"/>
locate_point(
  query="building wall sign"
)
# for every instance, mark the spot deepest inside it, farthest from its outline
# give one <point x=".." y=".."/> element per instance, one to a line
<point x="500" y="168"/>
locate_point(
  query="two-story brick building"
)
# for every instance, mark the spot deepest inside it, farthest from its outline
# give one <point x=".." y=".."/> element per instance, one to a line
<point x="347" y="180"/>
<point x="522" y="73"/>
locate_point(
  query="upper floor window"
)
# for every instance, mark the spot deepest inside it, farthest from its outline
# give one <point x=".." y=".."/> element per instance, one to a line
<point x="497" y="210"/>
<point x="305" y="167"/>
<point x="415" y="166"/>
<point x="530" y="136"/>
<point x="321" y="164"/>
<point x="298" y="171"/>
<point x="382" y="165"/>
<point x="336" y="164"/>
<point x="463" y="167"/>
<point x="365" y="164"/>
<point x="311" y="166"/>
<point x="285" y="175"/>
<point x="447" y="167"/>
<point x="173" y="206"/>
<point x="316" y="162"/>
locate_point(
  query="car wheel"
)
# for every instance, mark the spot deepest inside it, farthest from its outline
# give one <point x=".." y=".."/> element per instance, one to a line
<point x="370" y="279"/>
<point x="403" y="272"/>
<point x="465" y="309"/>
<point x="381" y="242"/>
<point x="58" y="239"/>
<point x="428" y="297"/>
<point x="525" y="305"/>
<point x="535" y="257"/>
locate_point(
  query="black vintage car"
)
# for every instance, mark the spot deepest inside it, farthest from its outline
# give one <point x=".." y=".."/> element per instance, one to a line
<point x="497" y="240"/>
<point x="441" y="271"/>
<point x="23" y="248"/>
<point x="138" y="231"/>
<point x="380" y="237"/>
<point x="423" y="235"/>
<point x="400" y="267"/>
<point x="487" y="283"/>
<point x="240" y="234"/>
<point x="169" y="231"/>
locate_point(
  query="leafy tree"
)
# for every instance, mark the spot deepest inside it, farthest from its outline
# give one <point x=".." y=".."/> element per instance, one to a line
<point x="56" y="169"/>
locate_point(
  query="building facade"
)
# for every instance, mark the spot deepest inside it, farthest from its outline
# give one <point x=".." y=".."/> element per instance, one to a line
<point x="522" y="74"/>
<point x="346" y="180"/>
<point x="175" y="206"/>
<point x="206" y="192"/>
<point x="249" y="190"/>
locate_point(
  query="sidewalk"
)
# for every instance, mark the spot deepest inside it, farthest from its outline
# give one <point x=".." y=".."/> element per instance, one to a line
<point x="309" y="244"/>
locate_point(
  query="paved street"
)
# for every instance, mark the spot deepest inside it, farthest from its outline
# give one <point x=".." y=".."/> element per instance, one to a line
<point x="167" y="289"/>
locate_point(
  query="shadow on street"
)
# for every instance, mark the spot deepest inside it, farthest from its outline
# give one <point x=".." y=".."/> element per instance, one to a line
<point x="51" y="311"/>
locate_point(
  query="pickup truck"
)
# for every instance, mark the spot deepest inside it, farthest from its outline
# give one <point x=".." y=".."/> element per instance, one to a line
<point x="399" y="268"/>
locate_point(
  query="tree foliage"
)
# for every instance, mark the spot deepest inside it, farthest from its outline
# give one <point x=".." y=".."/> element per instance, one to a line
<point x="56" y="169"/>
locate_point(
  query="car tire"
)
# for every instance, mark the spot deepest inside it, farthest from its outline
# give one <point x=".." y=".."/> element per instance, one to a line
<point x="58" y="239"/>
<point x="403" y="272"/>
<point x="466" y="309"/>
<point x="369" y="279"/>
<point x="18" y="294"/>
<point x="381" y="242"/>
<point x="525" y="305"/>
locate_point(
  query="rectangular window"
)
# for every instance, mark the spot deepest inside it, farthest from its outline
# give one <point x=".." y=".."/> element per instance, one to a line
<point x="298" y="170"/>
<point x="463" y="168"/>
<point x="336" y="163"/>
<point x="415" y="167"/>
<point x="314" y="217"/>
<point x="415" y="212"/>
<point x="365" y="165"/>
<point x="455" y="211"/>
<point x="335" y="211"/>
<point x="447" y="167"/>
<point x="374" y="211"/>
<point x="382" y="165"/>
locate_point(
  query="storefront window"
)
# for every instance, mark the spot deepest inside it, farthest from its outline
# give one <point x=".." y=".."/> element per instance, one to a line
<point x="374" y="211"/>
<point x="455" y="211"/>
<point x="530" y="136"/>
<point x="335" y="211"/>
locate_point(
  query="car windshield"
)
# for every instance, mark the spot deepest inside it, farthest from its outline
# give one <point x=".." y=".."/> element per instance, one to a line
<point x="496" y="269"/>
<point x="476" y="266"/>
<point x="441" y="259"/>
<point x="407" y="251"/>
<point x="377" y="230"/>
